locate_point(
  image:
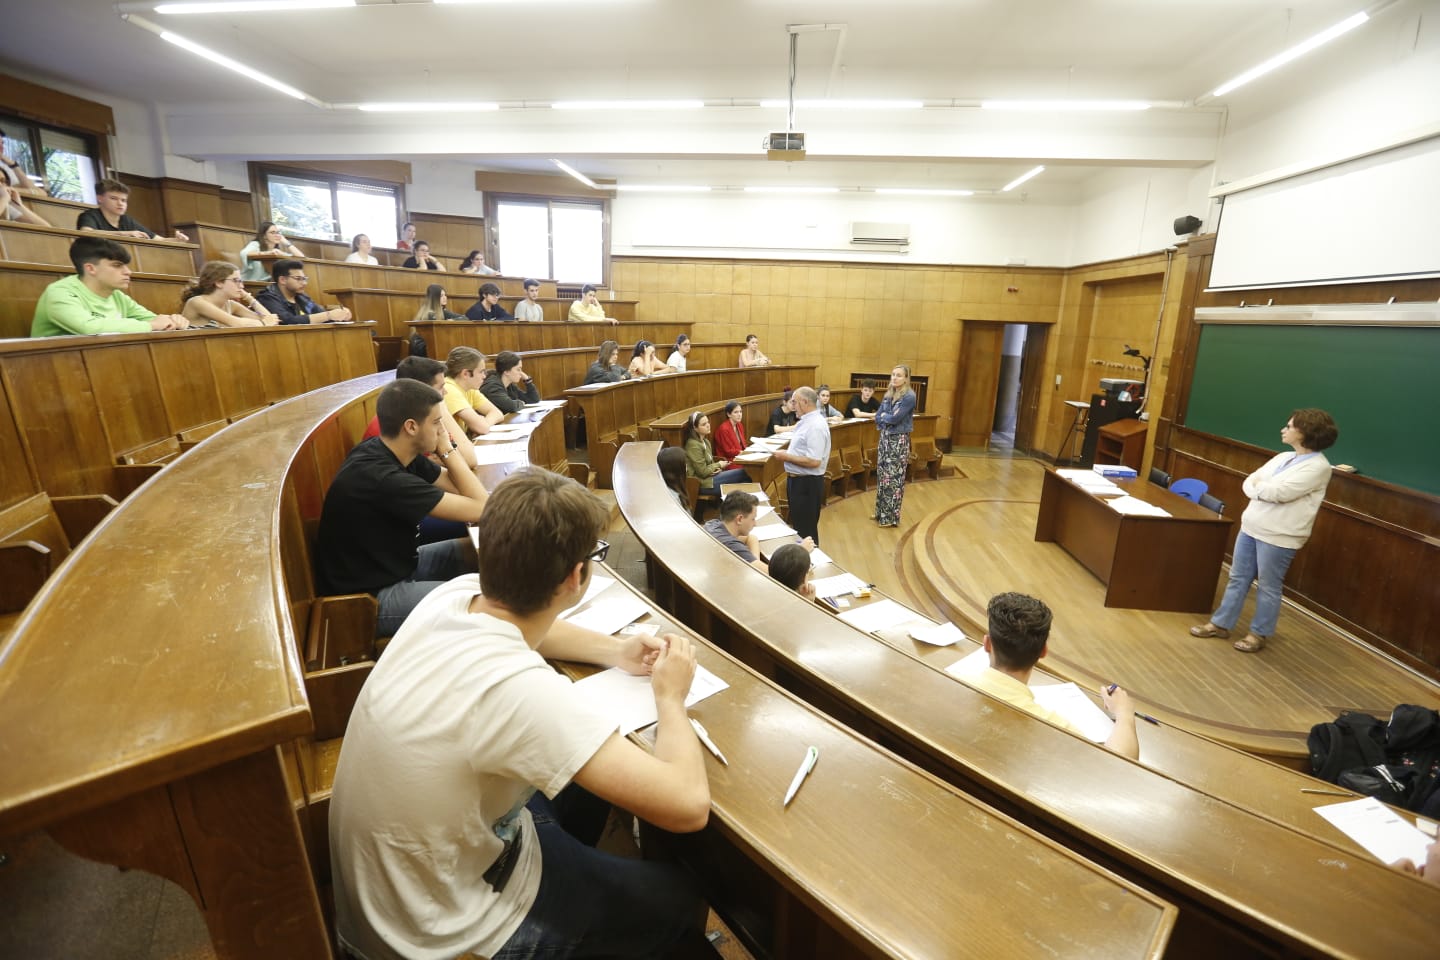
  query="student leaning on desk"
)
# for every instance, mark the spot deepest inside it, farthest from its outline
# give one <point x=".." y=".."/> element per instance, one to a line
<point x="494" y="856"/>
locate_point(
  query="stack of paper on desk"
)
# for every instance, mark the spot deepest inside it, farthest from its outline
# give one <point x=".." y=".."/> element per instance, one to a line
<point x="880" y="615"/>
<point x="827" y="587"/>
<point x="610" y="614"/>
<point x="1378" y="829"/>
<point x="752" y="456"/>
<point x="1091" y="482"/>
<point x="773" y="531"/>
<point x="546" y="405"/>
<point x="492" y="453"/>
<point x="630" y="699"/>
<point x="1134" y="507"/>
<point x="598" y="583"/>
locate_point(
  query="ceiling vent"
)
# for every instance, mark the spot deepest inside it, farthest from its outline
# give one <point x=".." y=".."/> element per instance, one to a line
<point x="880" y="234"/>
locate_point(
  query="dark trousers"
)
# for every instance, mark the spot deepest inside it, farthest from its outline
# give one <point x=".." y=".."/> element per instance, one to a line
<point x="807" y="496"/>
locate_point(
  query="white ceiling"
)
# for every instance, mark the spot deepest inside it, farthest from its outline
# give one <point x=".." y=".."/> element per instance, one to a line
<point x="543" y="50"/>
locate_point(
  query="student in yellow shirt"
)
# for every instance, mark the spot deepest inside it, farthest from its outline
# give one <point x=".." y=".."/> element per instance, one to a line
<point x="464" y="372"/>
<point x="587" y="309"/>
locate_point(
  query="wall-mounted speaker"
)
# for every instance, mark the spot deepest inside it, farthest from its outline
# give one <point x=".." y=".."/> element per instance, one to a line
<point x="1186" y="225"/>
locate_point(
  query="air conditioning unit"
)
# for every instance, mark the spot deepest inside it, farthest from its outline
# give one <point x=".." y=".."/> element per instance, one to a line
<point x="880" y="234"/>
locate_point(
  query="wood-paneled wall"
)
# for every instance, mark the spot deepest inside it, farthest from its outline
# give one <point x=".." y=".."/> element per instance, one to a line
<point x="451" y="238"/>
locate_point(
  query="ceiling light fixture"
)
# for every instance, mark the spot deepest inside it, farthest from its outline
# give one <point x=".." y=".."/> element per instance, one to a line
<point x="576" y="174"/>
<point x="249" y="6"/>
<point x="1065" y="106"/>
<point x="1299" y="50"/>
<point x="844" y="104"/>
<point x="923" y="192"/>
<point x="792" y="189"/>
<point x="1022" y="178"/>
<point x="659" y="188"/>
<point x="627" y="105"/>
<point x="220" y="59"/>
<point x="431" y="107"/>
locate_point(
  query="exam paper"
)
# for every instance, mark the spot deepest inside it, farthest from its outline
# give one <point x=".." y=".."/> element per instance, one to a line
<point x="598" y="583"/>
<point x="773" y="531"/>
<point x="937" y="635"/>
<point x="878" y="615"/>
<point x="818" y="558"/>
<point x="494" y="453"/>
<point x="1132" y="506"/>
<point x="609" y="614"/>
<point x="630" y="699"/>
<point x="826" y="587"/>
<point x="1070" y="702"/>
<point x="1378" y="829"/>
<point x="763" y="510"/>
<point x="970" y="665"/>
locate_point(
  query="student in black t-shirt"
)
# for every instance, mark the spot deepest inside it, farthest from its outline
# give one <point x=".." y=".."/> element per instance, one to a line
<point x="285" y="297"/>
<point x="488" y="308"/>
<point x="420" y="257"/>
<point x="863" y="404"/>
<point x="387" y="484"/>
<point x="113" y="198"/>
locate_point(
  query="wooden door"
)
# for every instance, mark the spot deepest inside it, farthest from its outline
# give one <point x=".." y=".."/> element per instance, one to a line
<point x="981" y="343"/>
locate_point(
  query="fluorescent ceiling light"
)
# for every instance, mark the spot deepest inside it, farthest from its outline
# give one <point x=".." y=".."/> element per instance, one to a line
<point x="1053" y="106"/>
<point x="844" y="104"/>
<point x="250" y="6"/>
<point x="576" y="174"/>
<point x="627" y="105"/>
<point x="792" y="189"/>
<point x="659" y="188"/>
<point x="922" y="192"/>
<point x="431" y="107"/>
<point x="1022" y="178"/>
<point x="228" y="64"/>
<point x="1300" y="49"/>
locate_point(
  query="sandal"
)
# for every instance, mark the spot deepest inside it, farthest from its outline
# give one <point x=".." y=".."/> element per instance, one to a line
<point x="1250" y="643"/>
<point x="1210" y="630"/>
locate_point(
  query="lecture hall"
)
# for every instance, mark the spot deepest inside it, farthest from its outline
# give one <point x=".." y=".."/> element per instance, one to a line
<point x="936" y="378"/>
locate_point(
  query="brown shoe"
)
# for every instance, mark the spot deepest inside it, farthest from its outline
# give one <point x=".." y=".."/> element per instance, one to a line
<point x="1210" y="630"/>
<point x="1250" y="643"/>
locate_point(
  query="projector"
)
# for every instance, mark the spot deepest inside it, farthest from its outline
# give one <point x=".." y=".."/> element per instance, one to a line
<point x="785" y="146"/>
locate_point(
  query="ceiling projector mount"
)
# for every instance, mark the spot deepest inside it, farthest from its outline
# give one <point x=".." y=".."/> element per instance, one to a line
<point x="790" y="145"/>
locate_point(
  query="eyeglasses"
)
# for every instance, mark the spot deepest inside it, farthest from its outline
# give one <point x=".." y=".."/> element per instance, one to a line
<point x="602" y="549"/>
<point x="298" y="277"/>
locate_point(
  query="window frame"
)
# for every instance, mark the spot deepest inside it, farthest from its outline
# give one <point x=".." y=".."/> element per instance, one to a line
<point x="494" y="199"/>
<point x="260" y="174"/>
<point x="12" y="121"/>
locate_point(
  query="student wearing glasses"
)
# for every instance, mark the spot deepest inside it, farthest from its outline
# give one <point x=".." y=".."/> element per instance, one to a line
<point x="269" y="244"/>
<point x="218" y="297"/>
<point x="285" y="297"/>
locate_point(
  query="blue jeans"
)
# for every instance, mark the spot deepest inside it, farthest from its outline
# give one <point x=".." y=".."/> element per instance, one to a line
<point x="438" y="563"/>
<point x="734" y="475"/>
<point x="593" y="904"/>
<point x="1254" y="557"/>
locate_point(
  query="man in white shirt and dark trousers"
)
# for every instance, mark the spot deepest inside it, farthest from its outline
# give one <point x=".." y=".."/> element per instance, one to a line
<point x="805" y="461"/>
<point x="474" y="780"/>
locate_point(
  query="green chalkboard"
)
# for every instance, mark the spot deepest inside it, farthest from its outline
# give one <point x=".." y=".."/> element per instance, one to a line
<point x="1381" y="384"/>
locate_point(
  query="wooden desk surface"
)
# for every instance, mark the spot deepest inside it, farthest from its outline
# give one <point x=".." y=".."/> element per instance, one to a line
<point x="1156" y="827"/>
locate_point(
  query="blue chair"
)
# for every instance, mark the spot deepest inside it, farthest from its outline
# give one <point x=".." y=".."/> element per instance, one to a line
<point x="1212" y="503"/>
<point x="1189" y="488"/>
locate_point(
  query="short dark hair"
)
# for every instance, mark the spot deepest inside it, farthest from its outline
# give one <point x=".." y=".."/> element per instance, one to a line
<point x="867" y="382"/>
<point x="506" y="360"/>
<point x="790" y="564"/>
<point x="588" y="288"/>
<point x="462" y="359"/>
<point x="1018" y="626"/>
<point x="489" y="288"/>
<point x="282" y="268"/>
<point x="1316" y="426"/>
<point x="110" y="185"/>
<point x="529" y="283"/>
<point x="536" y="526"/>
<point x="404" y="400"/>
<point x="418" y="244"/>
<point x="640" y="346"/>
<point x="94" y="249"/>
<point x="423" y="369"/>
<point x="737" y="504"/>
<point x="730" y="406"/>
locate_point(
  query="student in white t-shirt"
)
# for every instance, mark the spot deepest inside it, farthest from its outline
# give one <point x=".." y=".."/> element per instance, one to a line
<point x="681" y="351"/>
<point x="473" y="780"/>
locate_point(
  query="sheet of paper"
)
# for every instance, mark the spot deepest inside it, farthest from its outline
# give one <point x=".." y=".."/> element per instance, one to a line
<point x="609" y="614"/>
<point x="878" y="615"/>
<point x="647" y="629"/>
<point x="1131" y="506"/>
<point x="938" y="635"/>
<point x="492" y="453"/>
<point x="1378" y="829"/>
<point x="968" y="666"/>
<point x="598" y="584"/>
<point x="773" y="531"/>
<point x="826" y="587"/>
<point x="763" y="510"/>
<point x="1070" y="702"/>
<point x="630" y="700"/>
<point x="521" y="428"/>
<point x="752" y="457"/>
<point x="546" y="405"/>
<point x="818" y="558"/>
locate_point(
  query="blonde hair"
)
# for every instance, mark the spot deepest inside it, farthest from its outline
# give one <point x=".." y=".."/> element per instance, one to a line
<point x="211" y="276"/>
<point x="892" y="394"/>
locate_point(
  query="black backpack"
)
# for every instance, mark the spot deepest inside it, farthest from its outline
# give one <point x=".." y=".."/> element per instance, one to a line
<point x="1397" y="762"/>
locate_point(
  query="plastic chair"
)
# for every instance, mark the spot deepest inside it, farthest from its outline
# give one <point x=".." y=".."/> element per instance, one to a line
<point x="1159" y="477"/>
<point x="1190" y="488"/>
<point x="1212" y="503"/>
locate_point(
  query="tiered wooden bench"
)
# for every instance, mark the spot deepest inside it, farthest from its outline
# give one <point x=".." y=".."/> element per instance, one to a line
<point x="177" y="748"/>
<point x="28" y="243"/>
<point x="1226" y="836"/>
<point x="442" y="336"/>
<point x="400" y="306"/>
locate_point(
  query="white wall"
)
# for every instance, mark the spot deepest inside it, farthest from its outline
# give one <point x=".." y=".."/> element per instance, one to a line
<point x="943" y="230"/>
<point x="1129" y="212"/>
<point x="443" y="186"/>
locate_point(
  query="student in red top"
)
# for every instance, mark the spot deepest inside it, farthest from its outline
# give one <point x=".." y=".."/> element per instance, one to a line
<point x="730" y="436"/>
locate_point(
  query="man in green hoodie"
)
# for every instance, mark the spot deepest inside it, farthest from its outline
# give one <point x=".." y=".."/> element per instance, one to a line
<point x="94" y="300"/>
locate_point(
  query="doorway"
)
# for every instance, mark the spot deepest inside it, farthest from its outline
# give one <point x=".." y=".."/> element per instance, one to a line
<point x="997" y="398"/>
<point x="1007" y="389"/>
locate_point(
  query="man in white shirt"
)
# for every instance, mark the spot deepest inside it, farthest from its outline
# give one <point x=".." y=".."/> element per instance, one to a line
<point x="440" y="843"/>
<point x="681" y="351"/>
<point x="805" y="461"/>
<point x="529" y="309"/>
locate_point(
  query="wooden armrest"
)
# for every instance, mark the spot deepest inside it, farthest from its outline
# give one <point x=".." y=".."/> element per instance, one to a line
<point x="332" y="694"/>
<point x="129" y="476"/>
<point x="579" y="472"/>
<point x="79" y="515"/>
<point x="24" y="567"/>
<point x="342" y="629"/>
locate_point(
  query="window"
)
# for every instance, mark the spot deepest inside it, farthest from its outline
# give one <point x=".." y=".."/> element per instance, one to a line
<point x="331" y="208"/>
<point x="65" y="163"/>
<point x="564" y="240"/>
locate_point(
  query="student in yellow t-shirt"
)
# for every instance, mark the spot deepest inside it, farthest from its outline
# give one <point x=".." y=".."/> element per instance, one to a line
<point x="464" y="370"/>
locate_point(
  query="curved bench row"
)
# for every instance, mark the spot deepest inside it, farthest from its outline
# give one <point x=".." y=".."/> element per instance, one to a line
<point x="1228" y="837"/>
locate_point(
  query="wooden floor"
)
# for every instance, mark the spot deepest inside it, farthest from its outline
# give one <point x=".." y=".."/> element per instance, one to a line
<point x="960" y="541"/>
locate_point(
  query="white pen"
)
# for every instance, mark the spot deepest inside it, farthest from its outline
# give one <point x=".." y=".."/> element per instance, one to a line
<point x="709" y="744"/>
<point x="806" y="765"/>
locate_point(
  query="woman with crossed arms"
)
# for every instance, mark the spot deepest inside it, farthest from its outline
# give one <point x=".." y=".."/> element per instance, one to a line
<point x="701" y="463"/>
<point x="896" y="420"/>
<point x="730" y="439"/>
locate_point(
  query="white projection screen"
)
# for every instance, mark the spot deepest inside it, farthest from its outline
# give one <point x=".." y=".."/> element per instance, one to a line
<point x="1372" y="218"/>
